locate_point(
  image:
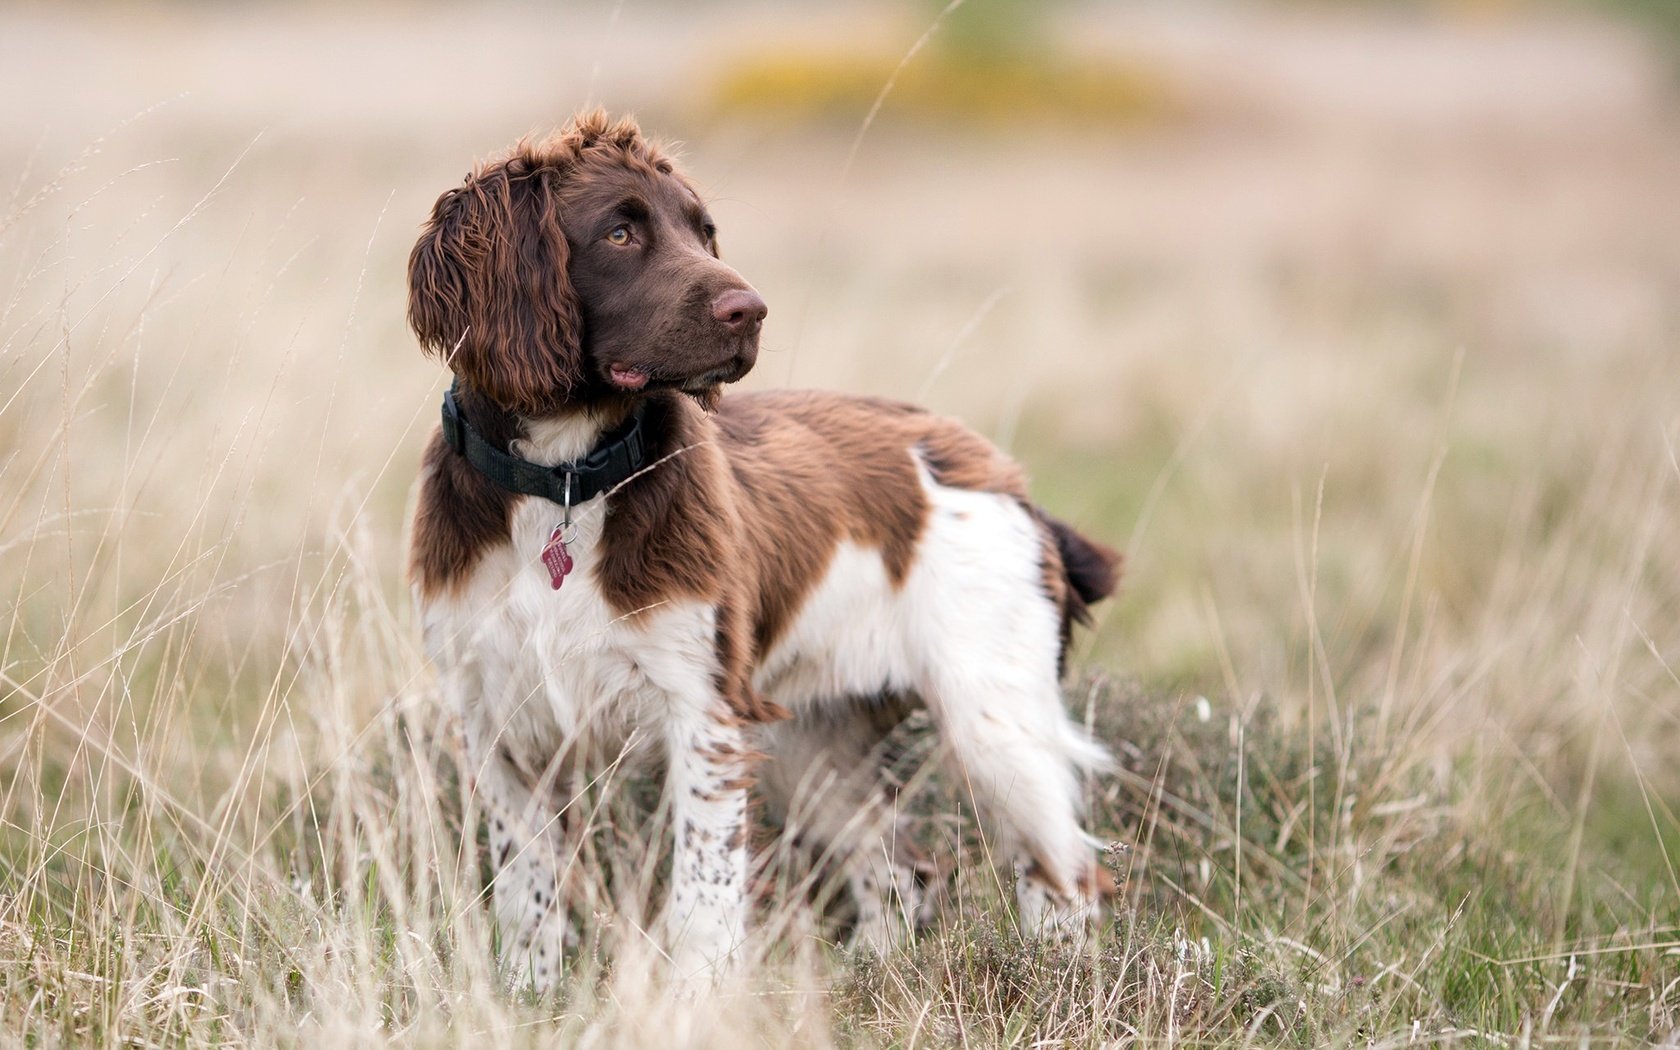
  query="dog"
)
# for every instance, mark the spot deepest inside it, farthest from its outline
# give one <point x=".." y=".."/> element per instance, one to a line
<point x="607" y="549"/>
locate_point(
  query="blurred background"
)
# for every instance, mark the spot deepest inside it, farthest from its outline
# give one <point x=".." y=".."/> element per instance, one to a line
<point x="1357" y="325"/>
<point x="1348" y="321"/>
<point x="1189" y="259"/>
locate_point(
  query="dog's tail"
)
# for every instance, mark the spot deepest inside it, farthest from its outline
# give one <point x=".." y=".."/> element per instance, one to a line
<point x="1092" y="569"/>
<point x="1090" y="573"/>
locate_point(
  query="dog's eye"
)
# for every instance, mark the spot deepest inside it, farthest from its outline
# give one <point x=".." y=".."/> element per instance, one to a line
<point x="619" y="235"/>
<point x="709" y="232"/>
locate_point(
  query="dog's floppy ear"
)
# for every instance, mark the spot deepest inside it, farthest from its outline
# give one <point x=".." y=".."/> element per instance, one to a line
<point x="488" y="290"/>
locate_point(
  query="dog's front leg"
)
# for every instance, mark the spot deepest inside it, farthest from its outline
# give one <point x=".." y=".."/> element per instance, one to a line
<point x="707" y="784"/>
<point x="527" y="844"/>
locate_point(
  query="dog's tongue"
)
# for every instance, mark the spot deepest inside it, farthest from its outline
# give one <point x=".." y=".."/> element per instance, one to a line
<point x="628" y="378"/>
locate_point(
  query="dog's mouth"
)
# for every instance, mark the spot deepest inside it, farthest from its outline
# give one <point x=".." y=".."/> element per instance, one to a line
<point x="626" y="378"/>
<point x="631" y="379"/>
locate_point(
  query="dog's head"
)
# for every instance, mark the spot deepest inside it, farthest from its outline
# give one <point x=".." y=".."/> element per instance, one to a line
<point x="579" y="268"/>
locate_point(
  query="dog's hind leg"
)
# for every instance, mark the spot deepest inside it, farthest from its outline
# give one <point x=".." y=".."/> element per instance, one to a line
<point x="989" y="645"/>
<point x="1015" y="756"/>
<point x="824" y="786"/>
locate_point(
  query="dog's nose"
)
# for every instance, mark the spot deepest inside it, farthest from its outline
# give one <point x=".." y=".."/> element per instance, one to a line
<point x="740" y="310"/>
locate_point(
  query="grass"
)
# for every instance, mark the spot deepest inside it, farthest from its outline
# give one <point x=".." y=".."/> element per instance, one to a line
<point x="1393" y="683"/>
<point x="999" y="92"/>
<point x="979" y="64"/>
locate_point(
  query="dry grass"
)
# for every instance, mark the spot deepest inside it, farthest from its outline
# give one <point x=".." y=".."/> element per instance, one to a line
<point x="1373" y="376"/>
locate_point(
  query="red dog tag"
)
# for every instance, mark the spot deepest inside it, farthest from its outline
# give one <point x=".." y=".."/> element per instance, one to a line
<point x="554" y="556"/>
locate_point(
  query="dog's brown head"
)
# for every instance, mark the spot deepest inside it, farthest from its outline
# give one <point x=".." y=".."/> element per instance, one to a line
<point x="580" y="268"/>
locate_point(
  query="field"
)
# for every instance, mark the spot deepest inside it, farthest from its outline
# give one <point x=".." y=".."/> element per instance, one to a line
<point x="1357" y="329"/>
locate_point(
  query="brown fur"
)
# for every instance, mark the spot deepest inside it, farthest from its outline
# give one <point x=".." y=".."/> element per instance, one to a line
<point x="743" y="509"/>
<point x="488" y="288"/>
<point x="817" y="468"/>
<point x="461" y="513"/>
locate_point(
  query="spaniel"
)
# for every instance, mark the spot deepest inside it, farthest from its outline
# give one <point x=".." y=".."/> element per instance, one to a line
<point x="608" y="550"/>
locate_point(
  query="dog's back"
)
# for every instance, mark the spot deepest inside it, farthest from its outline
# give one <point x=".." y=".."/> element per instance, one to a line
<point x="821" y="468"/>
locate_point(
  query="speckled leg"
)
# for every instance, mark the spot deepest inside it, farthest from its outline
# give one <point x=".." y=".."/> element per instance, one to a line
<point x="707" y="784"/>
<point x="526" y="850"/>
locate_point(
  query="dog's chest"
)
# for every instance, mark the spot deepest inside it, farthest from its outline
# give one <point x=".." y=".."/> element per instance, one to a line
<point x="539" y="667"/>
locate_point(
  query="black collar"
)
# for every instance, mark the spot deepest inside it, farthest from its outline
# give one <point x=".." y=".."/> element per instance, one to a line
<point x="620" y="454"/>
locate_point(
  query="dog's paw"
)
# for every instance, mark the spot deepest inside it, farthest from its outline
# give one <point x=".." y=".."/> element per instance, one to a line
<point x="539" y="953"/>
<point x="1045" y="913"/>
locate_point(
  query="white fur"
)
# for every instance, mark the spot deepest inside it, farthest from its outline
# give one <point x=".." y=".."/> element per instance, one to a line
<point x="971" y="632"/>
<point x="538" y="672"/>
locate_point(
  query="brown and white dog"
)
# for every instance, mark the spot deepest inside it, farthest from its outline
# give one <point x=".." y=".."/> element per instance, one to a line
<point x="763" y="572"/>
